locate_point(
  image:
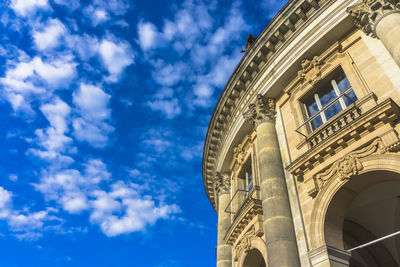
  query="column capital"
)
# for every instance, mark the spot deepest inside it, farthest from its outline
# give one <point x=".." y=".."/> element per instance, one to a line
<point x="366" y="14"/>
<point x="222" y="183"/>
<point x="262" y="110"/>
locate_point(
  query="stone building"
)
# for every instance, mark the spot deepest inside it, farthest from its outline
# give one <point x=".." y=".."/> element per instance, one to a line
<point x="302" y="155"/>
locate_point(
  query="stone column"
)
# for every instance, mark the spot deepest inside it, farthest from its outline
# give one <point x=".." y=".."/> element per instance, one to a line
<point x="381" y="19"/>
<point x="222" y="185"/>
<point x="278" y="222"/>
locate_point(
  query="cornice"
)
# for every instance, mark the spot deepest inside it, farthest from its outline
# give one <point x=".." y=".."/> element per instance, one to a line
<point x="286" y="24"/>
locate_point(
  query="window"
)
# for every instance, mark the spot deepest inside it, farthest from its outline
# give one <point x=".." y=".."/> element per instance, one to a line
<point x="330" y="99"/>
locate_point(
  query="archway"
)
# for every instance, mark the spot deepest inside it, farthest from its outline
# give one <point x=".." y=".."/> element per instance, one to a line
<point x="254" y="258"/>
<point x="362" y="210"/>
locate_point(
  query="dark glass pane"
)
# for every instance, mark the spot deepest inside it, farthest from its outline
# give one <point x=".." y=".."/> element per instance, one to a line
<point x="326" y="95"/>
<point x="311" y="105"/>
<point x="315" y="123"/>
<point x="342" y="82"/>
<point x="352" y="95"/>
<point x="333" y="110"/>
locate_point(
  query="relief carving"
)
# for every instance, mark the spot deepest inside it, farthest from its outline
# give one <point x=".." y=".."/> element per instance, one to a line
<point x="222" y="183"/>
<point x="310" y="70"/>
<point x="244" y="244"/>
<point x="367" y="13"/>
<point x="347" y="166"/>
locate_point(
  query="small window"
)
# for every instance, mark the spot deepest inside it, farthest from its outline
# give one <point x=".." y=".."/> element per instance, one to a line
<point x="330" y="99"/>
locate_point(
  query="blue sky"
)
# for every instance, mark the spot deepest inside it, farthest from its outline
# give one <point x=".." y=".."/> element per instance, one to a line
<point x="105" y="106"/>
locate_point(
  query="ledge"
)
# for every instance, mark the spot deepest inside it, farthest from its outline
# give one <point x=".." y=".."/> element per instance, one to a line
<point x="350" y="127"/>
<point x="250" y="208"/>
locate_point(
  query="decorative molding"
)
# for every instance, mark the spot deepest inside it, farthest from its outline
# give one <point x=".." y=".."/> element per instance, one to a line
<point x="367" y="13"/>
<point x="241" y="152"/>
<point x="222" y="183"/>
<point x="244" y="244"/>
<point x="349" y="127"/>
<point x="262" y="110"/>
<point x="310" y="70"/>
<point x="349" y="165"/>
<point x="250" y="209"/>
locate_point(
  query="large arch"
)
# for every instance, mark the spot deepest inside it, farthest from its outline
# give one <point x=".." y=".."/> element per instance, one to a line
<point x="338" y="218"/>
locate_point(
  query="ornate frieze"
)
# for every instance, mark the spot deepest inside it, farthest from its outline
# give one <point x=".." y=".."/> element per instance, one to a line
<point x="262" y="110"/>
<point x="367" y="13"/>
<point x="310" y="70"/>
<point x="222" y="183"/>
<point x="349" y="165"/>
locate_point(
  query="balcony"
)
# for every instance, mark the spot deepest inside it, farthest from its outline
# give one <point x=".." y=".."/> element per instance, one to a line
<point x="357" y="121"/>
<point x="249" y="208"/>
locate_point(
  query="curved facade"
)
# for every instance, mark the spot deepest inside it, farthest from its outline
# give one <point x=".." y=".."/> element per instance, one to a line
<point x="302" y="155"/>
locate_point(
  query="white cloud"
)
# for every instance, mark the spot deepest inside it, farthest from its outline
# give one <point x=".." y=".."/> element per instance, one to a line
<point x="71" y="4"/>
<point x="57" y="73"/>
<point x="53" y="138"/>
<point x="168" y="75"/>
<point x="135" y="212"/>
<point x="97" y="15"/>
<point x="50" y="36"/>
<point x="24" y="224"/>
<point x="28" y="7"/>
<point x="121" y="209"/>
<point x="5" y="203"/>
<point x="92" y="126"/>
<point x="92" y="101"/>
<point x="13" y="177"/>
<point x="148" y="35"/>
<point x="116" y="56"/>
<point x="170" y="107"/>
<point x="203" y="95"/>
<point x="24" y="81"/>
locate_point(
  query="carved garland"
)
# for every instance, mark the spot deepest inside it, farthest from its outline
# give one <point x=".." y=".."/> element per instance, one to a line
<point x="347" y="166"/>
<point x="367" y="13"/>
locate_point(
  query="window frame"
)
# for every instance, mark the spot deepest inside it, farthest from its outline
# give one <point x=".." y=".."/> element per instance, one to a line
<point x="321" y="110"/>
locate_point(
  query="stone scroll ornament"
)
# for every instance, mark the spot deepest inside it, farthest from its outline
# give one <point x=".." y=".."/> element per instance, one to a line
<point x="350" y="164"/>
<point x="244" y="244"/>
<point x="222" y="183"/>
<point x="262" y="110"/>
<point x="367" y="13"/>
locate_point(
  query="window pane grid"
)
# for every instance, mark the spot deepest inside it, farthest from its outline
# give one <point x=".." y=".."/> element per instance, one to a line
<point x="321" y="110"/>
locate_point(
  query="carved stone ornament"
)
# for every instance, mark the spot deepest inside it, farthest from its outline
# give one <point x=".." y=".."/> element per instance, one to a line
<point x="262" y="110"/>
<point x="347" y="166"/>
<point x="244" y="244"/>
<point x="310" y="70"/>
<point x="222" y="183"/>
<point x="367" y="13"/>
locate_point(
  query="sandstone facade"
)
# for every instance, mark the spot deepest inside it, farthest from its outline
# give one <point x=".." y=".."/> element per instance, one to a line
<point x="302" y="154"/>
